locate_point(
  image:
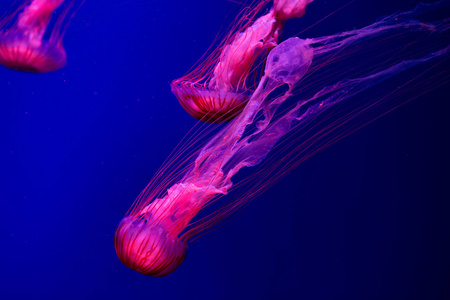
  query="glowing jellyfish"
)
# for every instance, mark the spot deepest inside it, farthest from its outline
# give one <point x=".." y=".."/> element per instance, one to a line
<point x="217" y="90"/>
<point x="313" y="92"/>
<point x="22" y="43"/>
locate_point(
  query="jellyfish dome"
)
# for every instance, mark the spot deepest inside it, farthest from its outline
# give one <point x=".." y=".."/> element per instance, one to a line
<point x="22" y="43"/>
<point x="150" y="250"/>
<point x="209" y="105"/>
<point x="16" y="52"/>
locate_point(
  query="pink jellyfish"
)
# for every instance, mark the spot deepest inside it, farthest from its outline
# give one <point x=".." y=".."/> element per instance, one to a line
<point x="313" y="92"/>
<point x="217" y="90"/>
<point x="22" y="43"/>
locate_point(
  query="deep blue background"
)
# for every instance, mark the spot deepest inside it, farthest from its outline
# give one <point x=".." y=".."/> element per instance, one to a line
<point x="367" y="218"/>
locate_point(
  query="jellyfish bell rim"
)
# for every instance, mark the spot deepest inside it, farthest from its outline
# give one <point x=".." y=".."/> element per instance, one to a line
<point x="147" y="248"/>
<point x="18" y="53"/>
<point x="209" y="105"/>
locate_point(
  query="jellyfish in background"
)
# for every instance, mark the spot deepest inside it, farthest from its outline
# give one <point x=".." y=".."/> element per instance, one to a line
<point x="217" y="90"/>
<point x="313" y="92"/>
<point x="22" y="43"/>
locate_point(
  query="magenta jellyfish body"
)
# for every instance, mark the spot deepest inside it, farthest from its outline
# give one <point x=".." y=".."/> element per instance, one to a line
<point x="313" y="92"/>
<point x="218" y="89"/>
<point x="22" y="43"/>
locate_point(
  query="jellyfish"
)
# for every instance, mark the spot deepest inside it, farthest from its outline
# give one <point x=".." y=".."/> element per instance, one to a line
<point x="23" y="46"/>
<point x="217" y="90"/>
<point x="313" y="92"/>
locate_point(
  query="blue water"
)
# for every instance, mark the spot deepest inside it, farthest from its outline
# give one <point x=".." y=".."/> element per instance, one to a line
<point x="365" y="219"/>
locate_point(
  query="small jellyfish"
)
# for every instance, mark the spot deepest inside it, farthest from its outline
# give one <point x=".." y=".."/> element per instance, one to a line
<point x="217" y="90"/>
<point x="22" y="43"/>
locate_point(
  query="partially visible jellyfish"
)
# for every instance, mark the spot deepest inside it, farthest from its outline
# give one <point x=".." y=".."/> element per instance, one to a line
<point x="217" y="90"/>
<point x="313" y="92"/>
<point x="23" y="46"/>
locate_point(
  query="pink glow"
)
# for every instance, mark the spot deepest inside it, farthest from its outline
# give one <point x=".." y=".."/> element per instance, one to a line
<point x="22" y="43"/>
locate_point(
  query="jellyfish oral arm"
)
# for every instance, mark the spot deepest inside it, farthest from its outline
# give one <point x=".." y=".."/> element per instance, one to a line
<point x="239" y="56"/>
<point x="181" y="203"/>
<point x="34" y="19"/>
<point x="288" y="9"/>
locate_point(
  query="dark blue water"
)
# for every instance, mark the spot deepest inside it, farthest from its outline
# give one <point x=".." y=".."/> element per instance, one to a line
<point x="365" y="219"/>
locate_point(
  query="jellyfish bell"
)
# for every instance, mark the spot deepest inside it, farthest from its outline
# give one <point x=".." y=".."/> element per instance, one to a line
<point x="150" y="239"/>
<point x="22" y="43"/>
<point x="17" y="53"/>
<point x="147" y="249"/>
<point x="209" y="105"/>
